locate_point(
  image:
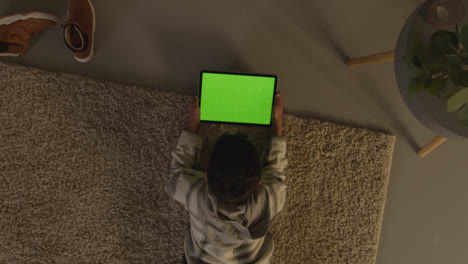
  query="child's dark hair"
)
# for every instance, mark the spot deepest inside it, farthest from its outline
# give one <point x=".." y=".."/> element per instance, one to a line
<point x="234" y="170"/>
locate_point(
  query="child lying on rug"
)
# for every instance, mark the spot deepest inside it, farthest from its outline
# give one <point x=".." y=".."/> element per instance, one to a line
<point x="231" y="205"/>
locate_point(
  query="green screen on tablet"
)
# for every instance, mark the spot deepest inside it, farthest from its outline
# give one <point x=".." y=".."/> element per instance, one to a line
<point x="236" y="98"/>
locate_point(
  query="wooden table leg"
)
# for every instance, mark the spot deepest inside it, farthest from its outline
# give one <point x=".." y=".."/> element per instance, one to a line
<point x="379" y="57"/>
<point x="433" y="144"/>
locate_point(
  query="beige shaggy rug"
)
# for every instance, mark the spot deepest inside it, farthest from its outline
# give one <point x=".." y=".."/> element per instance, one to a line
<point x="83" y="164"/>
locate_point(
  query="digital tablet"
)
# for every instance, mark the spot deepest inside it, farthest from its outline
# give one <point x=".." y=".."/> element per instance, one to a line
<point x="236" y="97"/>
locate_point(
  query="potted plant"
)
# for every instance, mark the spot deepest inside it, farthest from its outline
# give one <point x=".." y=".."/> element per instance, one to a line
<point x="441" y="68"/>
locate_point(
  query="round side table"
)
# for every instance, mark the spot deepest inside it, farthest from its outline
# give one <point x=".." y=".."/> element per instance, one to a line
<point x="427" y="108"/>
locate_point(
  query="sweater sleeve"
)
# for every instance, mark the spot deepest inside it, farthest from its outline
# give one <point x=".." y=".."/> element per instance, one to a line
<point x="183" y="176"/>
<point x="274" y="163"/>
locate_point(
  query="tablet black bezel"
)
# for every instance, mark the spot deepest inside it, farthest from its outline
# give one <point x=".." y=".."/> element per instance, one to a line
<point x="244" y="74"/>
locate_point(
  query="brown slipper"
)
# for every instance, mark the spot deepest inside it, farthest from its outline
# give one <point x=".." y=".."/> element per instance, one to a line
<point x="17" y="31"/>
<point x="78" y="31"/>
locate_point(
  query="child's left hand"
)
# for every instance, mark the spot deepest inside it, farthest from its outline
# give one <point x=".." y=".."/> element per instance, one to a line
<point x="194" y="116"/>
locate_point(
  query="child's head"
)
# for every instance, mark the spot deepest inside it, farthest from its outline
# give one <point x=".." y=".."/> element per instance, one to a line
<point x="234" y="168"/>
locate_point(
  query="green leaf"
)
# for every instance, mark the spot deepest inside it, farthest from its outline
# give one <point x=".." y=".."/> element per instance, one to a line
<point x="416" y="85"/>
<point x="464" y="37"/>
<point x="416" y="62"/>
<point x="427" y="82"/>
<point x="459" y="78"/>
<point x="457" y="100"/>
<point x="437" y="85"/>
<point x="462" y="116"/>
<point x="444" y="41"/>
<point x="432" y="58"/>
<point x="417" y="47"/>
<point x="457" y="75"/>
<point x="410" y="64"/>
<point x="455" y="68"/>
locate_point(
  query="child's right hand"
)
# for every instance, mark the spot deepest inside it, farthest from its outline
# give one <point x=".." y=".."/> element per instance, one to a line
<point x="278" y="115"/>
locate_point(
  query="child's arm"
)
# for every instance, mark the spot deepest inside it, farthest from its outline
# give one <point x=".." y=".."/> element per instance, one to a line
<point x="274" y="161"/>
<point x="183" y="175"/>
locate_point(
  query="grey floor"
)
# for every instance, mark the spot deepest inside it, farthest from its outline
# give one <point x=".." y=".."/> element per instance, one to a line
<point x="164" y="45"/>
